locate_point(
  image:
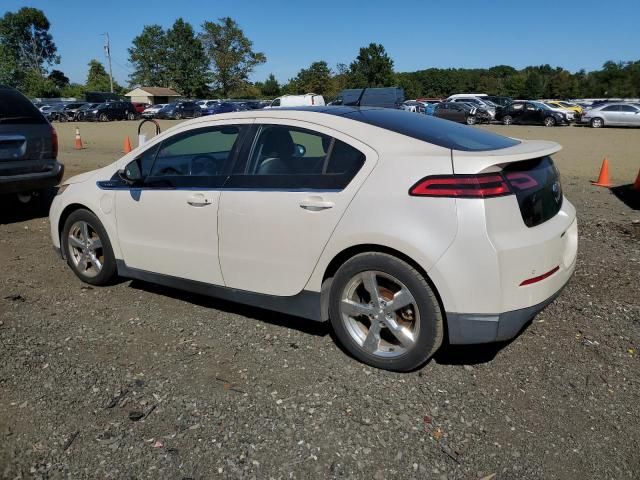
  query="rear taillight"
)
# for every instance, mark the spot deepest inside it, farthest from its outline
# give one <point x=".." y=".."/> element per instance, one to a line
<point x="462" y="186"/>
<point x="54" y="143"/>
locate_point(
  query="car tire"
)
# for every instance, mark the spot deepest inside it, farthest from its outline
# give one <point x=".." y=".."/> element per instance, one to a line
<point x="507" y="120"/>
<point x="103" y="117"/>
<point x="87" y="248"/>
<point x="549" y="122"/>
<point x="177" y="116"/>
<point x="197" y="114"/>
<point x="471" y="120"/>
<point x="370" y="329"/>
<point x="131" y="116"/>
<point x="597" y="122"/>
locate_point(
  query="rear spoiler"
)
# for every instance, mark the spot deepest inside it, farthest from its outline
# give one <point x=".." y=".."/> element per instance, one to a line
<point x="493" y="160"/>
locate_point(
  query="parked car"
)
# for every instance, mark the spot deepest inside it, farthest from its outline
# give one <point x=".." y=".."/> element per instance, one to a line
<point x="105" y="112"/>
<point x="55" y="112"/>
<point x="151" y="111"/>
<point x="204" y="104"/>
<point x="140" y="107"/>
<point x="388" y="97"/>
<point x="413" y="106"/>
<point x="273" y="209"/>
<point x="486" y="105"/>
<point x="221" y="107"/>
<point x="577" y="109"/>
<point x="79" y="115"/>
<point x="28" y="149"/>
<point x="532" y="113"/>
<point x="306" y="100"/>
<point x="462" y="113"/>
<point x="498" y="100"/>
<point x="615" y="114"/>
<point x="72" y="108"/>
<point x="179" y="110"/>
<point x="570" y="114"/>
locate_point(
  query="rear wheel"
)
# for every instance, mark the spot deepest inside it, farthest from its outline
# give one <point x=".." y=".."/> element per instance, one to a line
<point x="87" y="248"/>
<point x="131" y="116"/>
<point x="384" y="312"/>
<point x="549" y="122"/>
<point x="507" y="120"/>
<point x="597" y="122"/>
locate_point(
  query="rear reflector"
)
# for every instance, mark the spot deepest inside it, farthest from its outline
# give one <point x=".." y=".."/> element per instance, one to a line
<point x="54" y="143"/>
<point x="539" y="278"/>
<point x="461" y="186"/>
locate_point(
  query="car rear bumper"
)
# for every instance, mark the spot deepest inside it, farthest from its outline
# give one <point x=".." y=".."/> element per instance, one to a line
<point x="468" y="328"/>
<point x="29" y="175"/>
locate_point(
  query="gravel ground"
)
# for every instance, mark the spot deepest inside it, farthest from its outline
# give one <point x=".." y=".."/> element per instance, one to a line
<point x="138" y="381"/>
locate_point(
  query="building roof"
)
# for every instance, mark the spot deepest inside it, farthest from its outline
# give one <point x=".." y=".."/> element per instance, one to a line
<point x="154" y="91"/>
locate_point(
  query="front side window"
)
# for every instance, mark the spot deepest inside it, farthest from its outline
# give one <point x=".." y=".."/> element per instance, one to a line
<point x="190" y="158"/>
<point x="285" y="157"/>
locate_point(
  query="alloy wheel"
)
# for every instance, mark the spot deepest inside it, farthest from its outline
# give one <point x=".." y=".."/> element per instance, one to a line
<point x="507" y="120"/>
<point x="380" y="314"/>
<point x="85" y="249"/>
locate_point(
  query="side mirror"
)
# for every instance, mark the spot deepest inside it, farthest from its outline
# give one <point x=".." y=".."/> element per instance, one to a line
<point x="131" y="174"/>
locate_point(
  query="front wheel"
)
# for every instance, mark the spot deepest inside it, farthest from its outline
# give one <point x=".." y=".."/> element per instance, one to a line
<point x="103" y="117"/>
<point x="471" y="120"/>
<point x="549" y="122"/>
<point x="131" y="116"/>
<point x="384" y="312"/>
<point x="87" y="248"/>
<point x="507" y="120"/>
<point x="597" y="123"/>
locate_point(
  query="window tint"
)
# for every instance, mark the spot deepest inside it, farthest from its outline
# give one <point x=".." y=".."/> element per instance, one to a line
<point x="276" y="103"/>
<point x="15" y="108"/>
<point x="611" y="108"/>
<point x="205" y="152"/>
<point x="293" y="158"/>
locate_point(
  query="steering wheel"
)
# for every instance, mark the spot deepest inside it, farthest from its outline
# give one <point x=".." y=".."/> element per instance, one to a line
<point x="203" y="164"/>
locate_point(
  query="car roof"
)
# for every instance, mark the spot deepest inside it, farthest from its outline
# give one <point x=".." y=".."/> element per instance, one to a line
<point x="426" y="128"/>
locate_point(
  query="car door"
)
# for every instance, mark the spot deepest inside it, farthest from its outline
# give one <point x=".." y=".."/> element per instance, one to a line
<point x="282" y="203"/>
<point x="531" y="114"/>
<point x="629" y="115"/>
<point x="168" y="224"/>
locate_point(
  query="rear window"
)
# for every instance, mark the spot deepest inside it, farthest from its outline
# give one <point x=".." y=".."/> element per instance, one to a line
<point x="443" y="133"/>
<point x="15" y="108"/>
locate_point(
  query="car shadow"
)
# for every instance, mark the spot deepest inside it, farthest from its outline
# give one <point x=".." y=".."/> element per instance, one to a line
<point x="13" y="210"/>
<point x="627" y="195"/>
<point x="468" y="354"/>
<point x="284" y="320"/>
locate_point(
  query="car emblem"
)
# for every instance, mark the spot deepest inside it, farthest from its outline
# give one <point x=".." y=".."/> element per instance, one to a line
<point x="555" y="188"/>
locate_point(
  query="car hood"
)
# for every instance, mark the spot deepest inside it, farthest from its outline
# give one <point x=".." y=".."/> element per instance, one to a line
<point x="83" y="177"/>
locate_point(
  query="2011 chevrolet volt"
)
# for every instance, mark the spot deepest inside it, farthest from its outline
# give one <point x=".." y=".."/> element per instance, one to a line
<point x="400" y="229"/>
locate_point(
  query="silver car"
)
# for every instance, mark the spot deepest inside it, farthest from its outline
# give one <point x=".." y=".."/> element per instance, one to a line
<point x="612" y="114"/>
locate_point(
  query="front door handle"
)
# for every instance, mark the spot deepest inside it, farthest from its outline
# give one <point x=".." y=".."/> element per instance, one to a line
<point x="315" y="204"/>
<point x="198" y="200"/>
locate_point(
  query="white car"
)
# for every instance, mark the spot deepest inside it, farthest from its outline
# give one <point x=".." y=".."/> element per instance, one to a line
<point x="306" y="100"/>
<point x="151" y="111"/>
<point x="397" y="228"/>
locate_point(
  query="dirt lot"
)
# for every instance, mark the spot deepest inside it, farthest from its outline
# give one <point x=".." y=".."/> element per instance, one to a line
<point x="137" y="381"/>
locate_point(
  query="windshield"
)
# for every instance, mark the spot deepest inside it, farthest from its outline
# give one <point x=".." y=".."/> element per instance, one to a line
<point x="541" y="105"/>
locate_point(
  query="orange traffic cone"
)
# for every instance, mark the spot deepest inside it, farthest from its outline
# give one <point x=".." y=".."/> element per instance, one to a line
<point x="127" y="145"/>
<point x="79" y="145"/>
<point x="636" y="184"/>
<point x="603" y="178"/>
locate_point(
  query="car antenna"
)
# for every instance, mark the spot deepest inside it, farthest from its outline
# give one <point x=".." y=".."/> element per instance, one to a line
<point x="357" y="104"/>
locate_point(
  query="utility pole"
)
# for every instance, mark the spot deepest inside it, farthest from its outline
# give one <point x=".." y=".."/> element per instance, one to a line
<point x="107" y="51"/>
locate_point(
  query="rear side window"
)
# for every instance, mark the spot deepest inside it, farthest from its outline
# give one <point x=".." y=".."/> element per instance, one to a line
<point x="15" y="108"/>
<point x="292" y="158"/>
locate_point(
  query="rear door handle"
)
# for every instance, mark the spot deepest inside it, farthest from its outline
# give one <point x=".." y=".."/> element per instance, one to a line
<point x="198" y="200"/>
<point x="315" y="204"/>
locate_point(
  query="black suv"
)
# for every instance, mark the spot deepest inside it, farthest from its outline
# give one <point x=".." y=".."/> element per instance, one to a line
<point x="532" y="113"/>
<point x="28" y="148"/>
<point x="112" y="111"/>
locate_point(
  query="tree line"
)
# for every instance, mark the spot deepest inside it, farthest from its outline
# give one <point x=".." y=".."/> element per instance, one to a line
<point x="218" y="60"/>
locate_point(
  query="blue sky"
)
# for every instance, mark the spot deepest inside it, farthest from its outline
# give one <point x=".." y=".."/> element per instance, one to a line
<point x="573" y="34"/>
